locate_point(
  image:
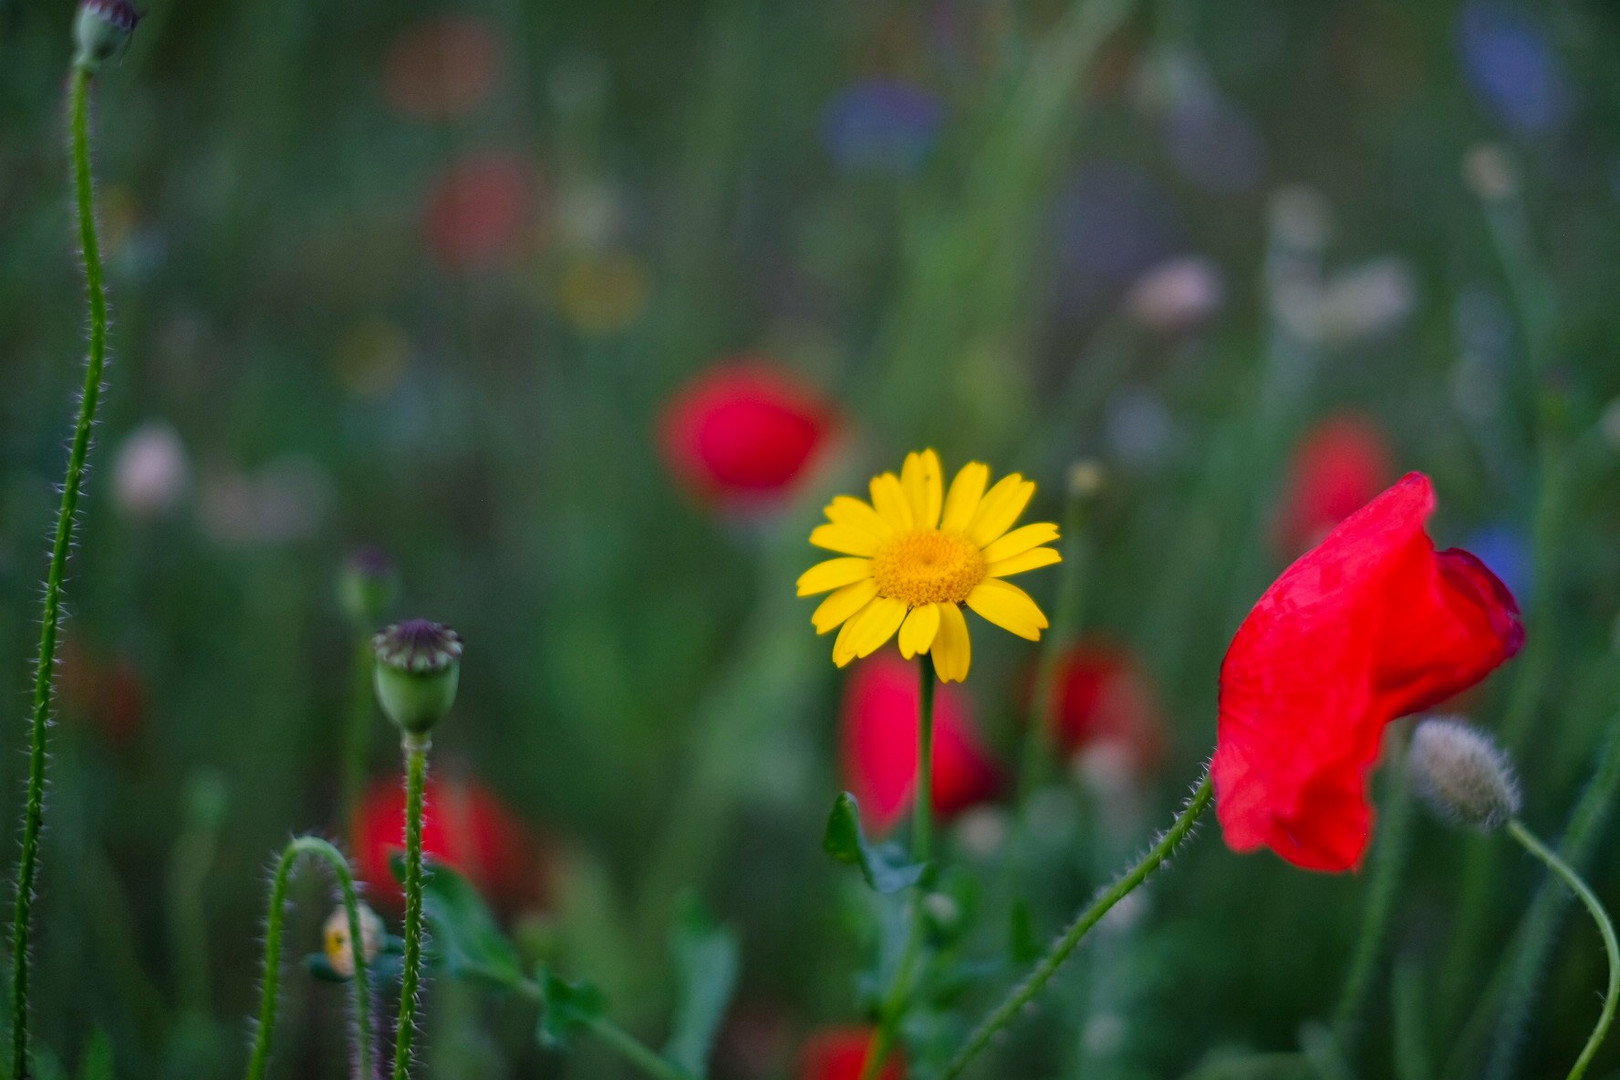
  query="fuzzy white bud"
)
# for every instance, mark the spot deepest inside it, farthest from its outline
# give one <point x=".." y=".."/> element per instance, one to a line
<point x="1463" y="775"/>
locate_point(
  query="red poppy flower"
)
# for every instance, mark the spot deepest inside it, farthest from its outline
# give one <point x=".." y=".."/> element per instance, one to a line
<point x="879" y="745"/>
<point x="111" y="696"/>
<point x="1100" y="695"/>
<point x="1370" y="625"/>
<point x="465" y="827"/>
<point x="477" y="212"/>
<point x="1342" y="463"/>
<point x="743" y="431"/>
<point x="443" y="67"/>
<point x="840" y="1054"/>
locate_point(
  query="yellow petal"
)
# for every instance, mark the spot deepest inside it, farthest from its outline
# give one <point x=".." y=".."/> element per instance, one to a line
<point x="856" y="513"/>
<point x="1000" y="508"/>
<point x="844" y="539"/>
<point x="917" y="632"/>
<point x="842" y="604"/>
<point x="962" y="501"/>
<point x="925" y="488"/>
<point x="843" y="645"/>
<point x="953" y="650"/>
<point x="1021" y="540"/>
<point x="833" y="574"/>
<point x="890" y="499"/>
<point x="1009" y="607"/>
<point x="1033" y="559"/>
<point x="876" y="624"/>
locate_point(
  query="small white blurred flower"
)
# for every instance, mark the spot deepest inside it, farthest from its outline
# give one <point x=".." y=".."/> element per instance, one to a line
<point x="1363" y="303"/>
<point x="1176" y="295"/>
<point x="1300" y="218"/>
<point x="335" y="938"/>
<point x="285" y="501"/>
<point x="151" y="473"/>
<point x="983" y="830"/>
<point x="1490" y="172"/>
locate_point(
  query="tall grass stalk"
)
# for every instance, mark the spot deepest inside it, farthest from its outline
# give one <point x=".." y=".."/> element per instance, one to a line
<point x="51" y="620"/>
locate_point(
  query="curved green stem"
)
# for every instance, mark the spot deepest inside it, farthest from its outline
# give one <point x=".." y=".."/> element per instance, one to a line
<point x="45" y="662"/>
<point x="298" y="846"/>
<point x="1049" y="964"/>
<point x="415" y="784"/>
<point x="1611" y="995"/>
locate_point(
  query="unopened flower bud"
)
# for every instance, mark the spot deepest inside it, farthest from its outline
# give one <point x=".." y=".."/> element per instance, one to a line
<point x="418" y="670"/>
<point x="368" y="586"/>
<point x="1462" y="774"/>
<point x="335" y="937"/>
<point x="102" y="30"/>
<point x="1086" y="478"/>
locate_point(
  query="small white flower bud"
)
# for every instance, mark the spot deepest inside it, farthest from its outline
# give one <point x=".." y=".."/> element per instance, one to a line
<point x="335" y="937"/>
<point x="1462" y="774"/>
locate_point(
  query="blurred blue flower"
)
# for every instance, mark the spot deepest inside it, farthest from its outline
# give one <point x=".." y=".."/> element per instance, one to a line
<point x="1504" y="550"/>
<point x="882" y="126"/>
<point x="1214" y="144"/>
<point x="1511" y="64"/>
<point x="1112" y="223"/>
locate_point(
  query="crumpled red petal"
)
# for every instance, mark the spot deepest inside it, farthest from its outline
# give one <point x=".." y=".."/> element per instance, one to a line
<point x="1370" y="625"/>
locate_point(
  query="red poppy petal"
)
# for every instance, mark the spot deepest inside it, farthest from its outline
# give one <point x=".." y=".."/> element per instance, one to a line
<point x="1370" y="625"/>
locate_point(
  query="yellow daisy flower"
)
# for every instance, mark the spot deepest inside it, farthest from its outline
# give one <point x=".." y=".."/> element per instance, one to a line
<point x="916" y="553"/>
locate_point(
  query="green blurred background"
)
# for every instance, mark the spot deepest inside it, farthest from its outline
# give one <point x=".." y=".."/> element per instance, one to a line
<point x="436" y="301"/>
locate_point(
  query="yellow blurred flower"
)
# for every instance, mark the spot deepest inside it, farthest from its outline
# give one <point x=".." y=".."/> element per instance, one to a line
<point x="916" y="554"/>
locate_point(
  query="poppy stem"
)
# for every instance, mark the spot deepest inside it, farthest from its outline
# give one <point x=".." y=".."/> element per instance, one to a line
<point x="1611" y="994"/>
<point x="1388" y="862"/>
<point x="922" y="817"/>
<point x="50" y="622"/>
<point x="1022" y="994"/>
<point x="297" y="847"/>
<point x="416" y="748"/>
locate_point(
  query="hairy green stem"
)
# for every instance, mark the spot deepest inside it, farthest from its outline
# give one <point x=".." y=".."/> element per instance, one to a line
<point x="1611" y="994"/>
<point x="416" y="748"/>
<point x="1022" y="994"/>
<point x="299" y="846"/>
<point x="45" y="662"/>
<point x="1389" y="860"/>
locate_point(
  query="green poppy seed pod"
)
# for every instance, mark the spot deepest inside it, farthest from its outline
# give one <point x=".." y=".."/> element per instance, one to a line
<point x="418" y="669"/>
<point x="368" y="586"/>
<point x="335" y="937"/>
<point x="102" y="29"/>
<point x="1462" y="774"/>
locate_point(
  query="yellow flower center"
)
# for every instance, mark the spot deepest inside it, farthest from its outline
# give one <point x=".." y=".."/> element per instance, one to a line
<point x="930" y="567"/>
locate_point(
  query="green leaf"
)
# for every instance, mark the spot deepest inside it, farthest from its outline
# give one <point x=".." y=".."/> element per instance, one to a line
<point x="706" y="961"/>
<point x="465" y="934"/>
<point x="885" y="866"/>
<point x="565" y="1008"/>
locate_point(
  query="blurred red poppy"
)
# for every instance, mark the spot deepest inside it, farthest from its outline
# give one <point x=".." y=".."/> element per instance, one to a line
<point x="743" y="431"/>
<point x="442" y="67"/>
<point x="839" y="1053"/>
<point x="466" y="827"/>
<point x="1101" y="695"/>
<point x="1342" y="463"/>
<point x="879" y="744"/>
<point x="109" y="695"/>
<point x="478" y="211"/>
<point x="1370" y="625"/>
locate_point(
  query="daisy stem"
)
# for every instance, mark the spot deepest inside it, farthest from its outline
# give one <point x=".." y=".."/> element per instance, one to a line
<point x="297" y="847"/>
<point x="416" y="748"/>
<point x="50" y="622"/>
<point x="1611" y="994"/>
<point x="922" y="818"/>
<point x="1022" y="994"/>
